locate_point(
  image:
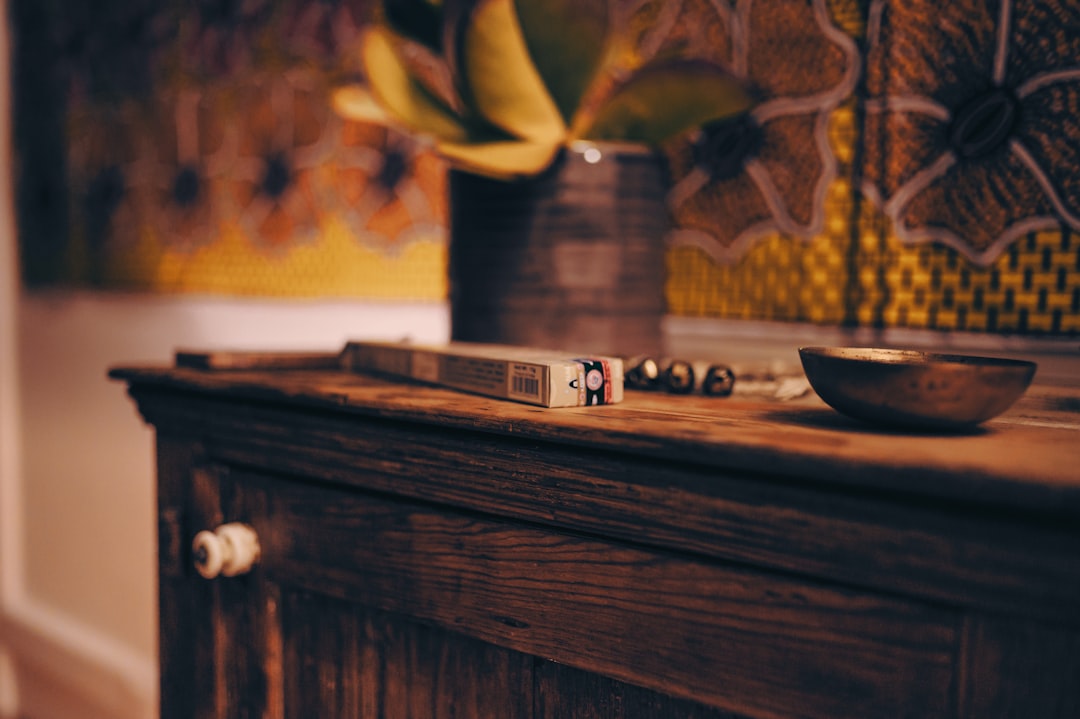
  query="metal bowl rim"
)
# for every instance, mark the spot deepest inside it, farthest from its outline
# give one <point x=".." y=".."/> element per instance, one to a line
<point x="910" y="358"/>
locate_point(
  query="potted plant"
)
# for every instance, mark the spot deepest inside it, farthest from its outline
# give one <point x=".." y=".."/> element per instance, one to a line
<point x="556" y="189"/>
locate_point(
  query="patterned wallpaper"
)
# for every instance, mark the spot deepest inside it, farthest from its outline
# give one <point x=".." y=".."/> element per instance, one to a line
<point x="909" y="164"/>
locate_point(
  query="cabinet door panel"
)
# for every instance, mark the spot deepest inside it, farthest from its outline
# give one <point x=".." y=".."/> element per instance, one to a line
<point x="739" y="640"/>
<point x="246" y="658"/>
<point x="343" y="661"/>
<point x="563" y="692"/>
<point x="186" y="643"/>
<point x="231" y="624"/>
<point x="1019" y="668"/>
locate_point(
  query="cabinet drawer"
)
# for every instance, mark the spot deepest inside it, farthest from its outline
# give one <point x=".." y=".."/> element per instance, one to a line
<point x="755" y="643"/>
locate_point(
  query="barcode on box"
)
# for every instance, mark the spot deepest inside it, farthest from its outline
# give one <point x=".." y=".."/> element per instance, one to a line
<point x="525" y="382"/>
<point x="526" y="385"/>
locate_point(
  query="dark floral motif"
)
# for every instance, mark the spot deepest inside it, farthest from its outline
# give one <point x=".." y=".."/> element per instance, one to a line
<point x="769" y="171"/>
<point x="973" y="120"/>
<point x="186" y="161"/>
<point x="105" y="177"/>
<point x="392" y="190"/>
<point x="275" y="151"/>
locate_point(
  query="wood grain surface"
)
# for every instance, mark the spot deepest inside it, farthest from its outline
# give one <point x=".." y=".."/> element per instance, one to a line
<point x="429" y="554"/>
<point x="1028" y="457"/>
<point x="715" y="633"/>
<point x="910" y="540"/>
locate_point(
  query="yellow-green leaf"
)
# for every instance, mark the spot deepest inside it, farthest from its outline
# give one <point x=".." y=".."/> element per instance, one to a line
<point x="567" y="41"/>
<point x="502" y="159"/>
<point x="664" y="100"/>
<point x="500" y="78"/>
<point x="355" y="102"/>
<point x="405" y="98"/>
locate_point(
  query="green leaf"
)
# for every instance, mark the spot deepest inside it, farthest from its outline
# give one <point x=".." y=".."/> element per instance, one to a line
<point x="567" y="41"/>
<point x="664" y="100"/>
<point x="501" y="159"/>
<point x="500" y="79"/>
<point x="419" y="20"/>
<point x="401" y="94"/>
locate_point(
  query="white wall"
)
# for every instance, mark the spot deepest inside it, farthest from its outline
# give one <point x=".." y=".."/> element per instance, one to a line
<point x="77" y="546"/>
<point x="87" y="463"/>
<point x="80" y="566"/>
<point x="9" y="438"/>
<point x="86" y="551"/>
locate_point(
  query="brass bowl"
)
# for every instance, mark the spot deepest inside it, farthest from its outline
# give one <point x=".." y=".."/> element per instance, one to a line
<point x="907" y="388"/>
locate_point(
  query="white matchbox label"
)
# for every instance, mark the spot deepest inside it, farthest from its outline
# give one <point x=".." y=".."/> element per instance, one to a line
<point x="535" y="376"/>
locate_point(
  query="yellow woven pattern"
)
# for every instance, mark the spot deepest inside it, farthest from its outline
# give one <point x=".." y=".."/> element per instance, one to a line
<point x="333" y="266"/>
<point x="1031" y="288"/>
<point x="780" y="278"/>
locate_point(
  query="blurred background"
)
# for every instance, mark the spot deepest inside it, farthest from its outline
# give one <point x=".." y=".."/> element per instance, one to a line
<point x="173" y="175"/>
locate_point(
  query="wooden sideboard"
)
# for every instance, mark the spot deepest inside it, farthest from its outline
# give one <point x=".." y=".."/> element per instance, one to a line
<point x="431" y="554"/>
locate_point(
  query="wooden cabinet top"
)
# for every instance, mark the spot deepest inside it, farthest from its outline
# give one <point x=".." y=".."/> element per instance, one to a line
<point x="751" y="555"/>
<point x="1028" y="458"/>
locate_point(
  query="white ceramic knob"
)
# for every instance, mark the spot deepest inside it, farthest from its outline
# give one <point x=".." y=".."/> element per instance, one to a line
<point x="229" y="550"/>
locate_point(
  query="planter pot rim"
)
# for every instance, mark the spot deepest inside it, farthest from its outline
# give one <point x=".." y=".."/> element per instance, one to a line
<point x="582" y="147"/>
